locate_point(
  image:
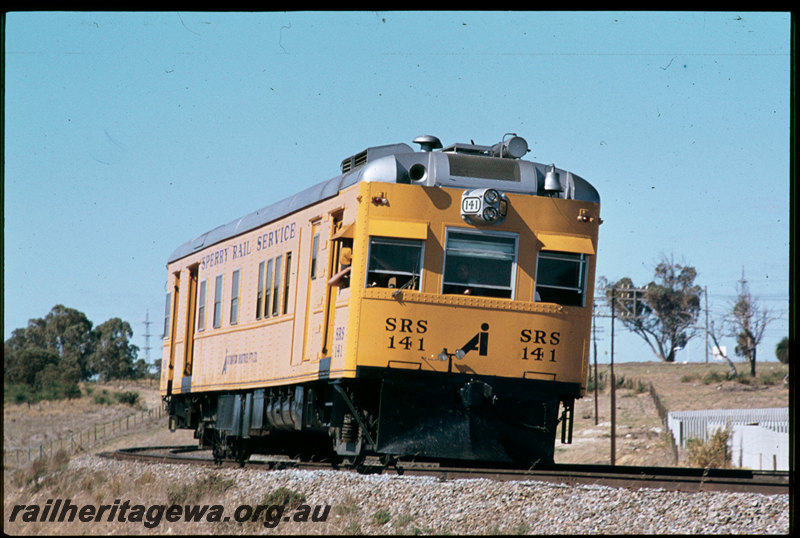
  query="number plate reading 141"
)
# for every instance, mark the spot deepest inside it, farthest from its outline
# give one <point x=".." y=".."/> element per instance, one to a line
<point x="470" y="205"/>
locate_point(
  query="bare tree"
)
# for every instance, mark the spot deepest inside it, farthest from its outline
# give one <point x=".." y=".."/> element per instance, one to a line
<point x="715" y="336"/>
<point x="748" y="321"/>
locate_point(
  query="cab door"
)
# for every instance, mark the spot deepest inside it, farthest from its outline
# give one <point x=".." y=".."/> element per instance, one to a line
<point x="171" y="327"/>
<point x="331" y="287"/>
<point x="316" y="290"/>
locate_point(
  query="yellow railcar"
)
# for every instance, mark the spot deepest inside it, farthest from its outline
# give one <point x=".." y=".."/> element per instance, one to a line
<point x="421" y="304"/>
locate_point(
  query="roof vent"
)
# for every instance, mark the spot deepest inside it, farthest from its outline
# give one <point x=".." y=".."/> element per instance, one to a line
<point x="354" y="161"/>
<point x="428" y="142"/>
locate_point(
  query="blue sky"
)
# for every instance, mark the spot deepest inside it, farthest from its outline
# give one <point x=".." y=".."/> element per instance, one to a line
<point x="126" y="134"/>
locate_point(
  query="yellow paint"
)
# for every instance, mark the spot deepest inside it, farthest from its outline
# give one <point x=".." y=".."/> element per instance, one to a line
<point x="398" y="228"/>
<point x="566" y="243"/>
<point x="359" y="326"/>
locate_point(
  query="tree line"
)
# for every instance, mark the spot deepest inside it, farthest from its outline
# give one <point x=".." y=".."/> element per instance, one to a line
<point x="665" y="314"/>
<point x="52" y="355"/>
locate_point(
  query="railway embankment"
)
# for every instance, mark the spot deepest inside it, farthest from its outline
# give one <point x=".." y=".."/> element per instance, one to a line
<point x="390" y="504"/>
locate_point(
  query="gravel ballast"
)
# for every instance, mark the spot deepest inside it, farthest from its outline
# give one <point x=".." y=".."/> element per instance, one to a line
<point x="391" y="504"/>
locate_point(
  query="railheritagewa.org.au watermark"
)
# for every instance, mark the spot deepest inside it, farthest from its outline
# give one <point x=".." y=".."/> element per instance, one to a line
<point x="151" y="516"/>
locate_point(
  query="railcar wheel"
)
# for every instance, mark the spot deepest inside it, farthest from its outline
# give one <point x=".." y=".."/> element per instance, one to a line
<point x="352" y="462"/>
<point x="242" y="454"/>
<point x="218" y="453"/>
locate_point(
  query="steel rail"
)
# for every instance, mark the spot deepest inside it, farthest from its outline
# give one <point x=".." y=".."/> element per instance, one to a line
<point x="666" y="478"/>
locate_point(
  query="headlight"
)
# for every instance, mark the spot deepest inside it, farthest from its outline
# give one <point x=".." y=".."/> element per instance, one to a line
<point x="484" y="206"/>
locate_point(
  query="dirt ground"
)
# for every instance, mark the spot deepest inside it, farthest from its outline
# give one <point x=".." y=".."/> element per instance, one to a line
<point x="640" y="434"/>
<point x="44" y="422"/>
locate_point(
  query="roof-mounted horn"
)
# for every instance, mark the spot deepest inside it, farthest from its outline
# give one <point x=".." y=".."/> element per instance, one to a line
<point x="514" y="147"/>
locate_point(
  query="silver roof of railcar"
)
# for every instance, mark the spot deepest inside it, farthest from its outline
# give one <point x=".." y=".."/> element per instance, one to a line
<point x="398" y="163"/>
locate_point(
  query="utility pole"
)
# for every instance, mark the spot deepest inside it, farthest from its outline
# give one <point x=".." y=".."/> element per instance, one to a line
<point x="613" y="384"/>
<point x="705" y="294"/>
<point x="594" y="337"/>
<point x="634" y="296"/>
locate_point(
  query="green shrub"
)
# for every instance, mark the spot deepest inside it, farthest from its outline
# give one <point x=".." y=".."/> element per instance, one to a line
<point x="601" y="383"/>
<point x="17" y="393"/>
<point x="103" y="398"/>
<point x="775" y="377"/>
<point x="715" y="377"/>
<point x="129" y="397"/>
<point x="381" y="516"/>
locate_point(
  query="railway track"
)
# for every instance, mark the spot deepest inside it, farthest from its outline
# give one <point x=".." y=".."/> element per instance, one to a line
<point x="668" y="478"/>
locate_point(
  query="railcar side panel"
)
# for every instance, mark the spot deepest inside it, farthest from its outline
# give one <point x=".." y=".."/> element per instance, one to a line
<point x="263" y="332"/>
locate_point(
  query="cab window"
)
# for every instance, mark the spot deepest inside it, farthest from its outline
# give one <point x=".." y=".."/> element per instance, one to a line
<point x="482" y="264"/>
<point x="342" y="263"/>
<point x="561" y="278"/>
<point x="394" y="263"/>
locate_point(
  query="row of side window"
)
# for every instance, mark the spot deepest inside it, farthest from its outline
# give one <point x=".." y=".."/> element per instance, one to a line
<point x="272" y="298"/>
<point x="479" y="264"/>
<point x="475" y="264"/>
<point x="218" y="297"/>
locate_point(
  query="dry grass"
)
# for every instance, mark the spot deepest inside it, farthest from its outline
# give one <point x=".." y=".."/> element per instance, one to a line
<point x="43" y="422"/>
<point x="713" y="454"/>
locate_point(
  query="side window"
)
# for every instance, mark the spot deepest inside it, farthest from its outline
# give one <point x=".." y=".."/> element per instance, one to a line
<point x="314" y="255"/>
<point x="268" y="289"/>
<point x="276" y="287"/>
<point x="342" y="263"/>
<point x="260" y="292"/>
<point x="201" y="307"/>
<point x="286" y="282"/>
<point x="167" y="309"/>
<point x="394" y="263"/>
<point x="482" y="264"/>
<point x="218" y="302"/>
<point x="235" y="297"/>
<point x="561" y="278"/>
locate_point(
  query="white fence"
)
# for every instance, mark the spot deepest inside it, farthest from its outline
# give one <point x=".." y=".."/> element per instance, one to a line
<point x="759" y="448"/>
<point x="759" y="437"/>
